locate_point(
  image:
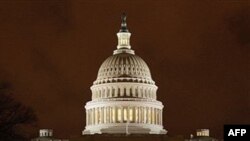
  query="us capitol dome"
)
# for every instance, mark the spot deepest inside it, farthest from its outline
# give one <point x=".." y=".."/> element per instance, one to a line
<point x="124" y="99"/>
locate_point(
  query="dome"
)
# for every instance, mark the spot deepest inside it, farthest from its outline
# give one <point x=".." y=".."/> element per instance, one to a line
<point x="124" y="96"/>
<point x="125" y="67"/>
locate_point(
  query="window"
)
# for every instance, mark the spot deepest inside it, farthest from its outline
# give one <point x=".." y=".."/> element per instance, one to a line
<point x="149" y="115"/>
<point x="119" y="113"/>
<point x="136" y="115"/>
<point x="145" y="115"/>
<point x="125" y="114"/>
<point x="130" y="114"/>
<point x="113" y="114"/>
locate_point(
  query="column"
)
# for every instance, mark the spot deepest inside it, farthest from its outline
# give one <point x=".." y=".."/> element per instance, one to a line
<point x="160" y="117"/>
<point x="91" y="116"/>
<point x="99" y="115"/>
<point x="94" y="116"/>
<point x="128" y="91"/>
<point x="104" y="114"/>
<point x="93" y="94"/>
<point x="136" y="91"/>
<point x="144" y="93"/>
<point x="152" y="116"/>
<point x="87" y="117"/>
<point x="102" y="117"/>
<point x="96" y="93"/>
<point x="142" y="115"/>
<point x="149" y="115"/>
<point x="110" y="114"/>
<point x="103" y="92"/>
<point x="106" y="92"/>
<point x="147" y="92"/>
<point x="116" y="92"/>
<point x="157" y="117"/>
<point x="133" y="91"/>
<point x="112" y="121"/>
<point x="107" y="110"/>
<point x="113" y="114"/>
<point x="99" y="93"/>
<point x="110" y="91"/>
<point x="121" y="91"/>
<point x="139" y="91"/>
<point x="151" y="93"/>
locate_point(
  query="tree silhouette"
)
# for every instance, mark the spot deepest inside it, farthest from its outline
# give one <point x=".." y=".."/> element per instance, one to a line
<point x="13" y="114"/>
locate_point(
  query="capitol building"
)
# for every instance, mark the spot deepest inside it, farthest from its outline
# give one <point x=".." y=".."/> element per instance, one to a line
<point x="124" y="95"/>
<point x="124" y="103"/>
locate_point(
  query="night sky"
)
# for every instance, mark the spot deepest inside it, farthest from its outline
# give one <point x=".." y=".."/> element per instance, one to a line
<point x="197" y="51"/>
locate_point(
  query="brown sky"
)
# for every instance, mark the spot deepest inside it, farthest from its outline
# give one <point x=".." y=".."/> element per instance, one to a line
<point x="198" y="53"/>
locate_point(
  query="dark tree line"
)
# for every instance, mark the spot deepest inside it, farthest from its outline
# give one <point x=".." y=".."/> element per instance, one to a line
<point x="13" y="114"/>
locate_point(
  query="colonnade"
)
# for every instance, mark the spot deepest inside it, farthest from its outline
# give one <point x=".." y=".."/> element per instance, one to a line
<point x="105" y="115"/>
<point x="139" y="69"/>
<point x="123" y="91"/>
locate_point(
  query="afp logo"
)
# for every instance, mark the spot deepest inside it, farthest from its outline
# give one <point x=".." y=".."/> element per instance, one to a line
<point x="236" y="132"/>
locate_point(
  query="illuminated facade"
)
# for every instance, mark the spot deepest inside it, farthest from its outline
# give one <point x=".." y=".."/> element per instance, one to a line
<point x="201" y="135"/>
<point x="124" y="94"/>
<point x="47" y="135"/>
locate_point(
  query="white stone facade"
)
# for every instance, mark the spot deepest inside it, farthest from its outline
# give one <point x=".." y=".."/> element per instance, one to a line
<point x="202" y="132"/>
<point x="124" y="95"/>
<point x="45" y="132"/>
<point x="47" y="135"/>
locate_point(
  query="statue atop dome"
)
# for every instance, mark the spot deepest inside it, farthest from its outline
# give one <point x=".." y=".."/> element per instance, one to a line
<point x="124" y="24"/>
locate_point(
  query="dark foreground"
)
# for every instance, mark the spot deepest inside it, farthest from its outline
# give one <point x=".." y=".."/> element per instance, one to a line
<point x="122" y="137"/>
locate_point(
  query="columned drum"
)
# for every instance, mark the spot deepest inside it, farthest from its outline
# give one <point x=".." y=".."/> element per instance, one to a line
<point x="124" y="94"/>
